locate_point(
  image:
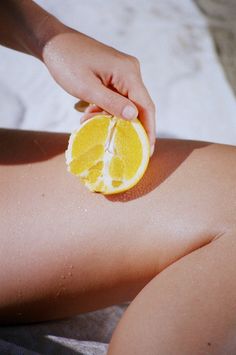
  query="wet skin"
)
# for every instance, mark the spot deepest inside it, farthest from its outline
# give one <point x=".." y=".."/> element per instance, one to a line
<point x="66" y="250"/>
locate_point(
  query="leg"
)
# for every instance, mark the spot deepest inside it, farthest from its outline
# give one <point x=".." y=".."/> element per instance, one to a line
<point x="65" y="250"/>
<point x="190" y="308"/>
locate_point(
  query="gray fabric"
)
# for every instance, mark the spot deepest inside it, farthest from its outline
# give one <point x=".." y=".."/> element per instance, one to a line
<point x="86" y="334"/>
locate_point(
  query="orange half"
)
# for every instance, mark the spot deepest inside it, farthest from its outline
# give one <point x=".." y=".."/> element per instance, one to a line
<point x="108" y="154"/>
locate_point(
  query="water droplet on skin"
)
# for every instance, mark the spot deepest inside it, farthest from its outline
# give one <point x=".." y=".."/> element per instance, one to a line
<point x="58" y="293"/>
<point x="63" y="277"/>
<point x="70" y="274"/>
<point x="71" y="266"/>
<point x="85" y="210"/>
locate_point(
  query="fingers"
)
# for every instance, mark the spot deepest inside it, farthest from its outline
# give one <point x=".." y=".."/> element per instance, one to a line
<point x="89" y="110"/>
<point x="110" y="101"/>
<point x="139" y="95"/>
<point x="81" y="105"/>
<point x="137" y="104"/>
<point x="92" y="110"/>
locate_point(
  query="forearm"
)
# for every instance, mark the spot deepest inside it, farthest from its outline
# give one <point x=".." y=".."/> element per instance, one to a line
<point x="26" y="27"/>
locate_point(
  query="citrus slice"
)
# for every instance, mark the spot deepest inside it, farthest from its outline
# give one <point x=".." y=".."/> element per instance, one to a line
<point x="109" y="154"/>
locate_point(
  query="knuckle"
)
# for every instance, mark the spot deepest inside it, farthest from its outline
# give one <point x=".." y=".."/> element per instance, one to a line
<point x="133" y="61"/>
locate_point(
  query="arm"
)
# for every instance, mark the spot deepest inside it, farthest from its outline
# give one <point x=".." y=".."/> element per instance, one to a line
<point x="84" y="67"/>
<point x="26" y="27"/>
<point x="68" y="250"/>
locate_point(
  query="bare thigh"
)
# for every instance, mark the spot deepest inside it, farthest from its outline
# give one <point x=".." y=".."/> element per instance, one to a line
<point x="189" y="308"/>
<point x="65" y="250"/>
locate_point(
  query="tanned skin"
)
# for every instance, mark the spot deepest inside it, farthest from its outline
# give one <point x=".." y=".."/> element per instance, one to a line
<point x="167" y="245"/>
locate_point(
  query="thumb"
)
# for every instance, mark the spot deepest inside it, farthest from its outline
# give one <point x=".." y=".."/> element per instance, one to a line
<point x="111" y="101"/>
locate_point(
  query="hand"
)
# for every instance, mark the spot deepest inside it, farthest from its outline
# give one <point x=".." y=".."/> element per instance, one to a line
<point x="101" y="75"/>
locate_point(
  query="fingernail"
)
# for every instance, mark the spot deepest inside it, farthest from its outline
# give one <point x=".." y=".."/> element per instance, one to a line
<point x="129" y="112"/>
<point x="81" y="105"/>
<point x="152" y="149"/>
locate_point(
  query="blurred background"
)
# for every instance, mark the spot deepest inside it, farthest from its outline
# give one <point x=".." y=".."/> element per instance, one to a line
<point x="187" y="50"/>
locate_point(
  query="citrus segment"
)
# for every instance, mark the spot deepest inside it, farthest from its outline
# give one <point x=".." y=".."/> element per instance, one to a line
<point x="86" y="160"/>
<point x="131" y="154"/>
<point x="94" y="132"/>
<point x="116" y="168"/>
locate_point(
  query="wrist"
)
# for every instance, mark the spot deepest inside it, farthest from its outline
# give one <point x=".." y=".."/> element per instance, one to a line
<point x="33" y="26"/>
<point x="47" y="28"/>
